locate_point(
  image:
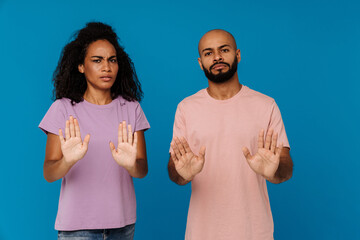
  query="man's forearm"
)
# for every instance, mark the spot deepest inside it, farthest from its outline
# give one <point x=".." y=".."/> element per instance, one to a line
<point x="284" y="171"/>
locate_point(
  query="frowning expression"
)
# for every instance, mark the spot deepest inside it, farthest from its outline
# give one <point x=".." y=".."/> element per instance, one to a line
<point x="100" y="65"/>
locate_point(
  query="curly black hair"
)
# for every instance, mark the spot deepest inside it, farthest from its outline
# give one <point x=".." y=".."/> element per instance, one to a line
<point x="70" y="83"/>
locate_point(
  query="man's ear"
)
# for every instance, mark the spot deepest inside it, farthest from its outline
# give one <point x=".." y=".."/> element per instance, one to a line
<point x="238" y="55"/>
<point x="201" y="66"/>
<point x="81" y="68"/>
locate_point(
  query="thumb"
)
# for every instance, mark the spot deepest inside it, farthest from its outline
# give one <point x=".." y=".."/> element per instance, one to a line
<point x="202" y="152"/>
<point x="246" y="153"/>
<point x="86" y="140"/>
<point x="112" y="146"/>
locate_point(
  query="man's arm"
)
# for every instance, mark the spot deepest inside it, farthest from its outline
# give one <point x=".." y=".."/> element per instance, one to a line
<point x="272" y="162"/>
<point x="173" y="174"/>
<point x="285" y="169"/>
<point x="183" y="164"/>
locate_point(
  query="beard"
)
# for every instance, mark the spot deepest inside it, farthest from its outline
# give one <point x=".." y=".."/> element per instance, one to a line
<point x="222" y="77"/>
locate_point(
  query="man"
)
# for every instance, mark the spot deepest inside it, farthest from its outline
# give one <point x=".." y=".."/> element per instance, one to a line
<point x="227" y="141"/>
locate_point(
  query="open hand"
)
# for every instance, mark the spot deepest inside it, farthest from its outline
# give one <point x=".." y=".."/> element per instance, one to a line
<point x="125" y="153"/>
<point x="266" y="161"/>
<point x="186" y="163"/>
<point x="72" y="147"/>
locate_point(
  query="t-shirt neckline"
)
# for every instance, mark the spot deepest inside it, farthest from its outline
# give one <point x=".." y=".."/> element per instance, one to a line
<point x="96" y="106"/>
<point x="233" y="98"/>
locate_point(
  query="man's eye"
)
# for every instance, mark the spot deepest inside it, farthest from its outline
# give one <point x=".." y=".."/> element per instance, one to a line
<point x="96" y="60"/>
<point x="225" y="50"/>
<point x="207" y="54"/>
<point x="113" y="60"/>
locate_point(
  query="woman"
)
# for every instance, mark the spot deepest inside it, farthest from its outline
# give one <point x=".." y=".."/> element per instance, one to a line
<point x="97" y="93"/>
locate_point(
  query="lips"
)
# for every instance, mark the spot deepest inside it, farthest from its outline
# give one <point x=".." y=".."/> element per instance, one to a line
<point x="218" y="66"/>
<point x="106" y="78"/>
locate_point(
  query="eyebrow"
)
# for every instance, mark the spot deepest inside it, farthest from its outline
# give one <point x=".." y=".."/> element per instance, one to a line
<point x="209" y="49"/>
<point x="102" y="57"/>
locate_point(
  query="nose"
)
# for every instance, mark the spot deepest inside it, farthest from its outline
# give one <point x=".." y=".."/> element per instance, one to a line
<point x="106" y="67"/>
<point x="217" y="56"/>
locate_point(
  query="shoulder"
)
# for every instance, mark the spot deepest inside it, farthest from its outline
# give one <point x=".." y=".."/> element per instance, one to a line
<point x="123" y="101"/>
<point x="127" y="104"/>
<point x="257" y="97"/>
<point x="63" y="103"/>
<point x="195" y="98"/>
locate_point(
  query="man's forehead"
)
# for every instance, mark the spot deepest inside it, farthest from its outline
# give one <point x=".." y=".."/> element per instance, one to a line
<point x="215" y="39"/>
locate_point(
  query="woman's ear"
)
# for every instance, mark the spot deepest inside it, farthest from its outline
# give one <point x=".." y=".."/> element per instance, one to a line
<point x="81" y="68"/>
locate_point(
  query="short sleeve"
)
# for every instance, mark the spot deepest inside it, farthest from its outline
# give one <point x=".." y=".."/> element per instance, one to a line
<point x="141" y="123"/>
<point x="54" y="119"/>
<point x="179" y="122"/>
<point x="277" y="124"/>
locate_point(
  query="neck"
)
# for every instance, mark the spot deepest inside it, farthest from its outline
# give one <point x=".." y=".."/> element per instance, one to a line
<point x="97" y="97"/>
<point x="226" y="90"/>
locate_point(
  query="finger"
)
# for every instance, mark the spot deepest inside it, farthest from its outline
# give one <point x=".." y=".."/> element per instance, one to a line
<point x="274" y="142"/>
<point x="246" y="153"/>
<point x="72" y="127"/>
<point x="112" y="148"/>
<point x="261" y="139"/>
<point x="185" y="145"/>
<point x="61" y="137"/>
<point x="86" y="140"/>
<point x="173" y="156"/>
<point x="176" y="150"/>
<point x="268" y="139"/>
<point x="202" y="152"/>
<point x="77" y="128"/>
<point x="124" y="132"/>
<point x="180" y="146"/>
<point x="172" y="147"/>
<point x="67" y="130"/>
<point x="135" y="139"/>
<point x="130" y="135"/>
<point x="120" y="136"/>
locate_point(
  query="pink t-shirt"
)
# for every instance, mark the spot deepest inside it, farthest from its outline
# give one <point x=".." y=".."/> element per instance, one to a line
<point x="96" y="193"/>
<point x="228" y="200"/>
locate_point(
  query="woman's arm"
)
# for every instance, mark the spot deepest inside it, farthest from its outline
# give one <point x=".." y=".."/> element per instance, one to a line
<point x="140" y="169"/>
<point x="130" y="152"/>
<point x="62" y="153"/>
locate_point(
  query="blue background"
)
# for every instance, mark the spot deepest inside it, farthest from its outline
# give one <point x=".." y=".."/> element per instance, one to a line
<point x="305" y="54"/>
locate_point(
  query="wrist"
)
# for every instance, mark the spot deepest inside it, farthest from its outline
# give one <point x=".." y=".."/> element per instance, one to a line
<point x="131" y="169"/>
<point x="187" y="178"/>
<point x="68" y="162"/>
<point x="273" y="179"/>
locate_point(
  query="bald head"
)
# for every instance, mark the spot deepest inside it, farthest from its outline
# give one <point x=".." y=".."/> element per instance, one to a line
<point x="216" y="35"/>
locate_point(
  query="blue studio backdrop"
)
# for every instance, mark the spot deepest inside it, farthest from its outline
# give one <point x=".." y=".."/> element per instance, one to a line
<point x="305" y="54"/>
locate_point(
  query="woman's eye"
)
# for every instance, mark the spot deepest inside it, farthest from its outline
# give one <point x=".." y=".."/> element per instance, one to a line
<point x="113" y="60"/>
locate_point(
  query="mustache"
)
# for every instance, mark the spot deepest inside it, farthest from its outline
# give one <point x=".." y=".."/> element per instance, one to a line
<point x="219" y="63"/>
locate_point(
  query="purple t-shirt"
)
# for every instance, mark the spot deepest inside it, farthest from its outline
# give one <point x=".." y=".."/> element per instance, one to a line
<point x="96" y="193"/>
